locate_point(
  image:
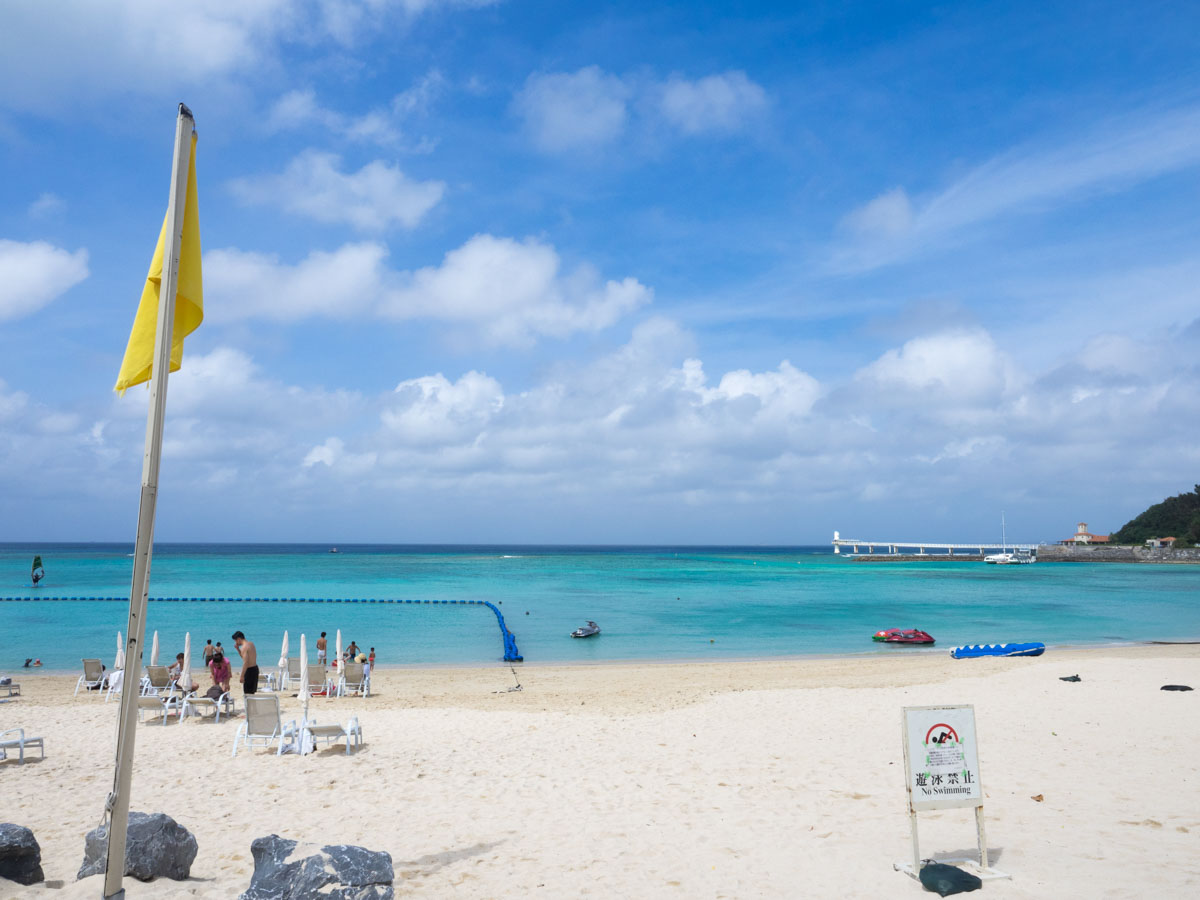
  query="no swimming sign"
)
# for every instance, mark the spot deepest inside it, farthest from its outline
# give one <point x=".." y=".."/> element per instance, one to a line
<point x="941" y="758"/>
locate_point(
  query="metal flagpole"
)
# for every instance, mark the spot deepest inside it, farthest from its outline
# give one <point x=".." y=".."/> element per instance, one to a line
<point x="117" y="806"/>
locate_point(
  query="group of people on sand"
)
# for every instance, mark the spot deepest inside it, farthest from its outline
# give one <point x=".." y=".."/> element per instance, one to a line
<point x="221" y="669"/>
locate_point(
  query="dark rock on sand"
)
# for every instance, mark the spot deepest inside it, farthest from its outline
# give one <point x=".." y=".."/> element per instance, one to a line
<point x="20" y="855"/>
<point x="285" y="870"/>
<point x="156" y="847"/>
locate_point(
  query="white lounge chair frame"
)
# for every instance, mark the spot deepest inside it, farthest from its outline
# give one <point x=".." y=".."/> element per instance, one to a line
<point x="157" y="680"/>
<point x="13" y="688"/>
<point x="158" y="703"/>
<point x="263" y="725"/>
<point x="356" y="678"/>
<point x="192" y="705"/>
<point x="19" y="743"/>
<point x="291" y="673"/>
<point x="350" y="732"/>
<point x="318" y="680"/>
<point x="92" y="677"/>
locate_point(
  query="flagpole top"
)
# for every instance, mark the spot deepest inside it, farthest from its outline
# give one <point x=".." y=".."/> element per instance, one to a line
<point x="184" y="111"/>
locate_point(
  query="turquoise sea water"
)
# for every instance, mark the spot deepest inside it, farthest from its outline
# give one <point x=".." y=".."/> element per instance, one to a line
<point x="653" y="603"/>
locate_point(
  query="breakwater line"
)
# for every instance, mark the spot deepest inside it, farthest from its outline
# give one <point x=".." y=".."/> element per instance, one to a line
<point x="511" y="653"/>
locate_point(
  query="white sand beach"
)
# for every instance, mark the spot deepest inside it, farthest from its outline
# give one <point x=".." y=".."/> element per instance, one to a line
<point x="739" y="779"/>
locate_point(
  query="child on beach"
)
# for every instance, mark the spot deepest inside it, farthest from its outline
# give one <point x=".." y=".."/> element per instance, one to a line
<point x="371" y="658"/>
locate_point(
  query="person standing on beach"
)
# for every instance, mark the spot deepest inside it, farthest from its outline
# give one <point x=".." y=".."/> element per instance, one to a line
<point x="209" y="650"/>
<point x="321" y="644"/>
<point x="249" y="676"/>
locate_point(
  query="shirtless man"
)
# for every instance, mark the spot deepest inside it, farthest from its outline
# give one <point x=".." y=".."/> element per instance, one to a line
<point x="249" y="674"/>
<point x="321" y="644"/>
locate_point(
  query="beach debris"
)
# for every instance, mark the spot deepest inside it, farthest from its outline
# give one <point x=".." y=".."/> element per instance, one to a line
<point x="1069" y="678"/>
<point x="946" y="880"/>
<point x="1037" y="797"/>
<point x="156" y="846"/>
<point x="20" y="855"/>
<point x="1175" y="687"/>
<point x="286" y="870"/>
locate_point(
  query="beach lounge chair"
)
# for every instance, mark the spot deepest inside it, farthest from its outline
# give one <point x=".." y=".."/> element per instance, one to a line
<point x="92" y="677"/>
<point x="354" y="679"/>
<point x="351" y="733"/>
<point x="14" y="739"/>
<point x="292" y="673"/>
<point x="157" y="681"/>
<point x="318" y="681"/>
<point x="12" y="689"/>
<point x="263" y="725"/>
<point x="193" y="704"/>
<point x="161" y="704"/>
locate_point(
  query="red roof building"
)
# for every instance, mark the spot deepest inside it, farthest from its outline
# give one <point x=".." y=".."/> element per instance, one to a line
<point x="1083" y="536"/>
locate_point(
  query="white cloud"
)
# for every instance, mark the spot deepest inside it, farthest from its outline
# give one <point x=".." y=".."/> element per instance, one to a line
<point x="432" y="409"/>
<point x="714" y="103"/>
<point x="34" y="274"/>
<point x="345" y="283"/>
<point x="46" y="205"/>
<point x="71" y="49"/>
<point x="513" y="291"/>
<point x="1025" y="181"/>
<point x="501" y="290"/>
<point x="374" y="198"/>
<point x="948" y="368"/>
<point x="566" y="111"/>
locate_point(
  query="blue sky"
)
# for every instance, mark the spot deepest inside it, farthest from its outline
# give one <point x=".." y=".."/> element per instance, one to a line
<point x="619" y="273"/>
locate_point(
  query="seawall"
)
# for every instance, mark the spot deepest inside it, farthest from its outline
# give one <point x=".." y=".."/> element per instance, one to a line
<point x="1126" y="554"/>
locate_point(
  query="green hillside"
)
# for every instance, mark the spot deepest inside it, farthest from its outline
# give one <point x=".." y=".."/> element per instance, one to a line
<point x="1177" y="517"/>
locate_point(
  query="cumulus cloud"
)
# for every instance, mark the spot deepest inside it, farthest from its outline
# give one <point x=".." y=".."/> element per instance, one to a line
<point x="34" y="274"/>
<point x="347" y="282"/>
<point x="953" y="366"/>
<point x="502" y="290"/>
<point x="571" y="110"/>
<point x="714" y="103"/>
<point x="374" y="198"/>
<point x="513" y="291"/>
<point x="71" y="49"/>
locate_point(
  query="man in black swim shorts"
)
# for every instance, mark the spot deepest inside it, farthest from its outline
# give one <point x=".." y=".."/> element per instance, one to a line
<point x="249" y="675"/>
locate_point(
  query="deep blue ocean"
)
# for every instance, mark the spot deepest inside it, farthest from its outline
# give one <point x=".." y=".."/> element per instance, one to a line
<point x="653" y="603"/>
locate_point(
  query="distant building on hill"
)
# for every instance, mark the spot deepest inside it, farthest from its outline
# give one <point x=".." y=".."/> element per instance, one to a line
<point x="1167" y="543"/>
<point x="1083" y="536"/>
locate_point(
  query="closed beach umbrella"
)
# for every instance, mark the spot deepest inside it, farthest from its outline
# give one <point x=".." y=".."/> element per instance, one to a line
<point x="119" y="662"/>
<point x="154" y="650"/>
<point x="303" y="685"/>
<point x="185" y="675"/>
<point x="283" y="652"/>
<point x="338" y="656"/>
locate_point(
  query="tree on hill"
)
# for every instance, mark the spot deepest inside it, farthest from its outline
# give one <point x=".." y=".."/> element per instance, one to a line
<point x="1177" y="517"/>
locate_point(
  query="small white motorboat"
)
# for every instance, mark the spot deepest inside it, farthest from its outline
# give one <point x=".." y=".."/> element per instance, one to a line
<point x="591" y="629"/>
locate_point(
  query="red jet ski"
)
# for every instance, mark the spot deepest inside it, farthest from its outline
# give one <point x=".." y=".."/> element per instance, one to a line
<point x="903" y="636"/>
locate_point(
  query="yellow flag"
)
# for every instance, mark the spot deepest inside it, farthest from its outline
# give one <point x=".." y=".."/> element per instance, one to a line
<point x="189" y="298"/>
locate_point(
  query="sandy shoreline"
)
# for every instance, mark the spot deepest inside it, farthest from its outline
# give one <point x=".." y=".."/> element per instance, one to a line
<point x="771" y="778"/>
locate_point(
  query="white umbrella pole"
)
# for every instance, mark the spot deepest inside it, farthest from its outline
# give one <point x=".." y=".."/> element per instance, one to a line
<point x="139" y="591"/>
<point x="303" y="688"/>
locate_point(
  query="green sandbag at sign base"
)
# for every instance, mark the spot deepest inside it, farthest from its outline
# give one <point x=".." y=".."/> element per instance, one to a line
<point x="946" y="880"/>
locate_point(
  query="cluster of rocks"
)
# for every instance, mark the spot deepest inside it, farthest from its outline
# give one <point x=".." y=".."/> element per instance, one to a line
<point x="159" y="847"/>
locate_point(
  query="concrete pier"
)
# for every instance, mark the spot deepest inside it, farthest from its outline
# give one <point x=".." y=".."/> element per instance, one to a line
<point x="928" y="550"/>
